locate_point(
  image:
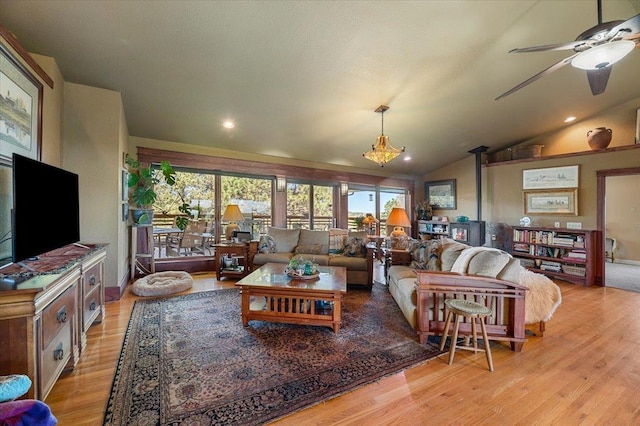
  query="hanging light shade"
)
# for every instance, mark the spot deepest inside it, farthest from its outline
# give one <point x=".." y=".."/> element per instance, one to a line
<point x="382" y="151"/>
<point x="603" y="56"/>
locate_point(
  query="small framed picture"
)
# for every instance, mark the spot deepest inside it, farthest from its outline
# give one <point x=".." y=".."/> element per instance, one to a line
<point x="559" y="201"/>
<point x="125" y="186"/>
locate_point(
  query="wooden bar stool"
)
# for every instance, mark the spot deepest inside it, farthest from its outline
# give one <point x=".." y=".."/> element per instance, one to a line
<point x="466" y="308"/>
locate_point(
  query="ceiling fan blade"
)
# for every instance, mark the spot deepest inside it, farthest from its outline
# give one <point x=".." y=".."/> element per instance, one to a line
<point x="630" y="26"/>
<point x="544" y="48"/>
<point x="598" y="79"/>
<point x="538" y="76"/>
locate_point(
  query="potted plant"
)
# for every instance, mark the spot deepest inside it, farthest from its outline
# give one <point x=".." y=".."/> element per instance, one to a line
<point x="141" y="184"/>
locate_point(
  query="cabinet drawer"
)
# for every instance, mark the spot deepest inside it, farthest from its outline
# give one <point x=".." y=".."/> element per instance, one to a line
<point x="91" y="309"/>
<point x="92" y="278"/>
<point x="54" y="357"/>
<point x="58" y="314"/>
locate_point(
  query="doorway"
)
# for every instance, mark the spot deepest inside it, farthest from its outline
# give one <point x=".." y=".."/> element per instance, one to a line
<point x="619" y="221"/>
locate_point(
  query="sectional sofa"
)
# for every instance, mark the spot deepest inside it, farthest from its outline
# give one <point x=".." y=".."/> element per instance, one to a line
<point x="333" y="247"/>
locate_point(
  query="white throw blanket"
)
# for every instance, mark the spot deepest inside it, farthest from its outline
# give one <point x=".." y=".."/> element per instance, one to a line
<point x="542" y="298"/>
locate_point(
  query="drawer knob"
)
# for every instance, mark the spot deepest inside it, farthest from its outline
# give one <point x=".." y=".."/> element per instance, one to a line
<point x="58" y="353"/>
<point x="92" y="280"/>
<point x="62" y="314"/>
<point x="92" y="305"/>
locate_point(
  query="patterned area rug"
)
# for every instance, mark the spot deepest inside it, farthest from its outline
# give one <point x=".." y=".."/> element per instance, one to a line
<point x="189" y="360"/>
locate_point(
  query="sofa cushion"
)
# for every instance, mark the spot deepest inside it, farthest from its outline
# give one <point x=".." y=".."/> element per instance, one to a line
<point x="449" y="252"/>
<point x="309" y="249"/>
<point x="267" y="244"/>
<point x="488" y="263"/>
<point x="337" y="240"/>
<point x="511" y="272"/>
<point x="313" y="238"/>
<point x="351" y="263"/>
<point x="286" y="239"/>
<point x="262" y="258"/>
<point x="355" y="247"/>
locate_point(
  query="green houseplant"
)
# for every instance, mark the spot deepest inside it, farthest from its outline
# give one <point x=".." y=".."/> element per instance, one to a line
<point x="141" y="183"/>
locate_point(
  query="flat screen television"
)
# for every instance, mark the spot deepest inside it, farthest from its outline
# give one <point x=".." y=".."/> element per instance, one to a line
<point x="46" y="208"/>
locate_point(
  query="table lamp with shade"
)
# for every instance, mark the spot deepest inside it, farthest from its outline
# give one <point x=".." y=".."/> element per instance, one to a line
<point x="369" y="221"/>
<point x="399" y="220"/>
<point x="233" y="215"/>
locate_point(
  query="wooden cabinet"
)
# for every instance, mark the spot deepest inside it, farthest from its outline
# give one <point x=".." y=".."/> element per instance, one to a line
<point x="43" y="319"/>
<point x="568" y="254"/>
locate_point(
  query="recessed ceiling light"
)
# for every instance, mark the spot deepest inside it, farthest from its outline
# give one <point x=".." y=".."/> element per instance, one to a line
<point x="569" y="119"/>
<point x="228" y="124"/>
<point x="407" y="158"/>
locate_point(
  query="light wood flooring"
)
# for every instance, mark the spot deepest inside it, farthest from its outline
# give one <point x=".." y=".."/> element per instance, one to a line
<point x="585" y="370"/>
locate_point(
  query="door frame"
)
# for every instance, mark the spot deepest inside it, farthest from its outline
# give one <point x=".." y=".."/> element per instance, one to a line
<point x="601" y="190"/>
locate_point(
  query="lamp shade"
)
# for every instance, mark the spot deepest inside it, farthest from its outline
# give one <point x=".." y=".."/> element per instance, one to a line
<point x="398" y="217"/>
<point x="603" y="56"/>
<point x="232" y="214"/>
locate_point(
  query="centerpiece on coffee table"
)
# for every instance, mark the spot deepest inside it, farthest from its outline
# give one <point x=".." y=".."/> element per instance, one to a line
<point x="301" y="268"/>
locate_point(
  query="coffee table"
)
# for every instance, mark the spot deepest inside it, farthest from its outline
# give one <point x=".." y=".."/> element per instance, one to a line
<point x="268" y="294"/>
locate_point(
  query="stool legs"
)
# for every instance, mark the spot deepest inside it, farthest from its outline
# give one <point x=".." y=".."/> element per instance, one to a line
<point x="474" y="334"/>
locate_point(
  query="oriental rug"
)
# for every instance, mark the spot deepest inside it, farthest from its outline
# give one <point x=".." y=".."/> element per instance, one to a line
<point x="188" y="359"/>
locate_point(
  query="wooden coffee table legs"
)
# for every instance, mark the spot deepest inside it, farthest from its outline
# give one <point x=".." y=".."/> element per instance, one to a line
<point x="292" y="306"/>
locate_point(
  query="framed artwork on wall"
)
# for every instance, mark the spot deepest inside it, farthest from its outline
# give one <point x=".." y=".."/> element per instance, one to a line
<point x="20" y="108"/>
<point x="125" y="186"/>
<point x="441" y="194"/>
<point x="559" y="201"/>
<point x="551" y="178"/>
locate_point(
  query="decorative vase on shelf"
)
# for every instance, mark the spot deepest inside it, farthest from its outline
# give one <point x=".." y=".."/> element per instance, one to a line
<point x="599" y="138"/>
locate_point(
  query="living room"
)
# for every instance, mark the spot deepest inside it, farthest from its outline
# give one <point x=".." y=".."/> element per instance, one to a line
<point x="87" y="129"/>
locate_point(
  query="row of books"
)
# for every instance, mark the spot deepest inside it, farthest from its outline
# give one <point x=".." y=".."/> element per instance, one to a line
<point x="547" y="265"/>
<point x="548" y="237"/>
<point x="555" y="252"/>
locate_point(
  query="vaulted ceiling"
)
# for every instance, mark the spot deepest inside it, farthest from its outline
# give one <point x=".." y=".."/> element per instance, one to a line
<point x="302" y="79"/>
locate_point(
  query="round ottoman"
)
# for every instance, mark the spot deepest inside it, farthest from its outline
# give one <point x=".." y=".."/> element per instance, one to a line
<point x="162" y="283"/>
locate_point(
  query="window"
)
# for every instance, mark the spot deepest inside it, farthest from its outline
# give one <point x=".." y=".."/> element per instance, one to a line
<point x="377" y="201"/>
<point x="253" y="196"/>
<point x="309" y="206"/>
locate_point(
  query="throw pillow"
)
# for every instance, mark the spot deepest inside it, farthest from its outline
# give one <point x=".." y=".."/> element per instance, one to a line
<point x="355" y="247"/>
<point x="425" y="255"/>
<point x="337" y="240"/>
<point x="286" y="239"/>
<point x="267" y="244"/>
<point x="309" y="249"/>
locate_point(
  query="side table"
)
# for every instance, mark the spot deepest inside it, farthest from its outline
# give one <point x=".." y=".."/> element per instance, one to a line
<point x="395" y="257"/>
<point x="242" y="252"/>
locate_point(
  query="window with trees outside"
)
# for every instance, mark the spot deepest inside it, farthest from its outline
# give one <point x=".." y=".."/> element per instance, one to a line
<point x="309" y="206"/>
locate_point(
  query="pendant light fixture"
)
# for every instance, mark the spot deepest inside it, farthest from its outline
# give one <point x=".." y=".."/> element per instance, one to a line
<point x="382" y="151"/>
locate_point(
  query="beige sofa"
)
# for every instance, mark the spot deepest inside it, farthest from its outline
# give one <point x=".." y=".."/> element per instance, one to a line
<point x="334" y="247"/>
<point x="440" y="269"/>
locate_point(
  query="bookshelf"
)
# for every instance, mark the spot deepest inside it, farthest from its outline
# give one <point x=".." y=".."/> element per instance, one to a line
<point x="433" y="228"/>
<point x="567" y="254"/>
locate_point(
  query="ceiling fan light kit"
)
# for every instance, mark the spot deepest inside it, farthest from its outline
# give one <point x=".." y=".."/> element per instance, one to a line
<point x="382" y="151"/>
<point x="603" y="56"/>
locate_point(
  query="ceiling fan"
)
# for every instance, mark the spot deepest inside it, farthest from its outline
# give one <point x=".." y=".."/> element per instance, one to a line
<point x="596" y="50"/>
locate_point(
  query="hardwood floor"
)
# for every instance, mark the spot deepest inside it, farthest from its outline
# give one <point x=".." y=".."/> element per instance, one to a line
<point x="585" y="370"/>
